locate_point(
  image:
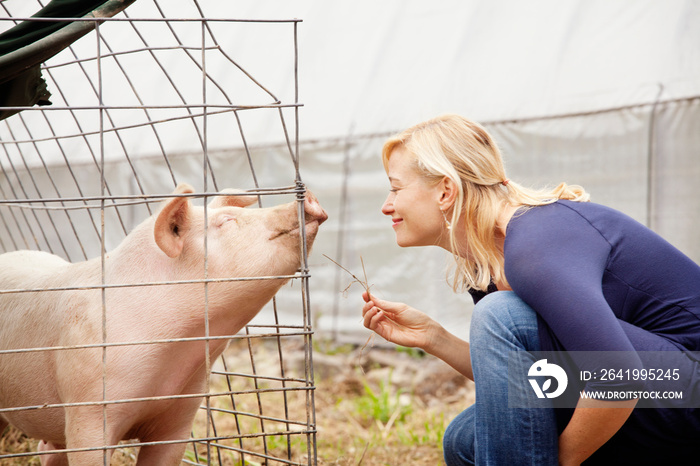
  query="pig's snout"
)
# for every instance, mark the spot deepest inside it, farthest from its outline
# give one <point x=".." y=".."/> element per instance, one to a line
<point x="313" y="210"/>
<point x="286" y="223"/>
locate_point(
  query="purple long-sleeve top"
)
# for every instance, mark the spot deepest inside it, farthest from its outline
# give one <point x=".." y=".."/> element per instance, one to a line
<point x="601" y="281"/>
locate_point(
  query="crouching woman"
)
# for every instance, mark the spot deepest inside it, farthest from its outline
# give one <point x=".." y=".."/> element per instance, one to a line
<point x="550" y="272"/>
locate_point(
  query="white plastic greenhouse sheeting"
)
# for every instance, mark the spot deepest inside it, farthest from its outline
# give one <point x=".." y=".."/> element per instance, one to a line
<point x="601" y="93"/>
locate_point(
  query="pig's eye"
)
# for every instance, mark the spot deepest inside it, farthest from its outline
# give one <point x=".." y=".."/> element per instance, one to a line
<point x="223" y="219"/>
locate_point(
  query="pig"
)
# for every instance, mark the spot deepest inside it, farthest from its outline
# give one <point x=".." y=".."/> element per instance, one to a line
<point x="168" y="246"/>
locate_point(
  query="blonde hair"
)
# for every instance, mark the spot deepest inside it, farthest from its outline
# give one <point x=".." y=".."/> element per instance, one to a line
<point x="453" y="146"/>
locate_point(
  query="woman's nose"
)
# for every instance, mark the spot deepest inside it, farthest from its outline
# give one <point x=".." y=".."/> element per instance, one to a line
<point x="388" y="206"/>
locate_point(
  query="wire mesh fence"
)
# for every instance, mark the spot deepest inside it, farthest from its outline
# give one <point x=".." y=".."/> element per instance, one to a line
<point x="151" y="97"/>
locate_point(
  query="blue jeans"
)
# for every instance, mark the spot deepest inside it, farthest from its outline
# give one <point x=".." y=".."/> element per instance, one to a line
<point x="489" y="432"/>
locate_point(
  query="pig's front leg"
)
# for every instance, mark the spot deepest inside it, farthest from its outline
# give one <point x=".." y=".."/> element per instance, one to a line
<point x="173" y="424"/>
<point x="84" y="429"/>
<point x="161" y="455"/>
<point x="56" y="459"/>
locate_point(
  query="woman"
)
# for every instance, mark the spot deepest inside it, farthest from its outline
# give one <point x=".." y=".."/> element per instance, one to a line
<point x="556" y="273"/>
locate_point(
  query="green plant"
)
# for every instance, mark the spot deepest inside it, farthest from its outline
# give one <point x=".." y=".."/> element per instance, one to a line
<point x="383" y="406"/>
<point x="416" y="353"/>
<point x="330" y="347"/>
<point x="430" y="432"/>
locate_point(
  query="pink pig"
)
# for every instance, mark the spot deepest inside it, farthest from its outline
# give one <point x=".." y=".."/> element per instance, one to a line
<point x="168" y="246"/>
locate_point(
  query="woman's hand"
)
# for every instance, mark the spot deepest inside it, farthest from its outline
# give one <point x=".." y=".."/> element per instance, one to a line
<point x="398" y="323"/>
<point x="405" y="326"/>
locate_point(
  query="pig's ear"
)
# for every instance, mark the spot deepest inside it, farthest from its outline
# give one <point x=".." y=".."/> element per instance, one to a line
<point x="235" y="201"/>
<point x="172" y="222"/>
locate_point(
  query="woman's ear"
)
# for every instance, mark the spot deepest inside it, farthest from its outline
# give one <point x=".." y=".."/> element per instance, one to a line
<point x="447" y="190"/>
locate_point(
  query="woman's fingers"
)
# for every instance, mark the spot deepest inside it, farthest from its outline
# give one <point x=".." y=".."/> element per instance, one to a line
<point x="367" y="314"/>
<point x="395" y="322"/>
<point x="368" y="305"/>
<point x="382" y="317"/>
<point x="388" y="306"/>
<point x="373" y="318"/>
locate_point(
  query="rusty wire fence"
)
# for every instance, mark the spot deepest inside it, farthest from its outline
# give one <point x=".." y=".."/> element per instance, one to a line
<point x="152" y="96"/>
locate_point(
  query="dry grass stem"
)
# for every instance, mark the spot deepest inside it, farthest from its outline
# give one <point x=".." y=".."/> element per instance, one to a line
<point x="365" y="284"/>
<point x="362" y="283"/>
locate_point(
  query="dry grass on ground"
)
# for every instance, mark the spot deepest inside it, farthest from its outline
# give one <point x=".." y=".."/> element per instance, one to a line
<point x="393" y="413"/>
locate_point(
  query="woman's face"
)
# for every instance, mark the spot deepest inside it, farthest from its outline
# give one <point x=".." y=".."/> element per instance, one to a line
<point x="412" y="204"/>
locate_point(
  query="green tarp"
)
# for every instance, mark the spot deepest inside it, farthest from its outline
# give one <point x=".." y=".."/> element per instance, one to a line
<point x="24" y="47"/>
<point x="28" y="32"/>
